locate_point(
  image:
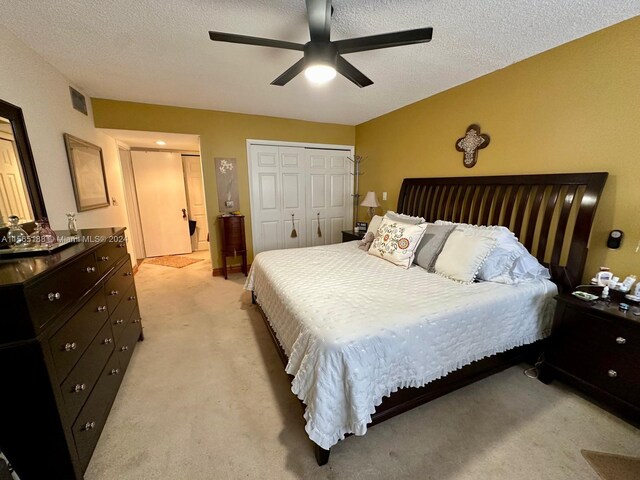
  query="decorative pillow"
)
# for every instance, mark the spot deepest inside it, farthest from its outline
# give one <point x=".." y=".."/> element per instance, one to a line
<point x="463" y="254"/>
<point x="401" y="217"/>
<point x="374" y="224"/>
<point x="431" y="245"/>
<point x="500" y="261"/>
<point x="396" y="242"/>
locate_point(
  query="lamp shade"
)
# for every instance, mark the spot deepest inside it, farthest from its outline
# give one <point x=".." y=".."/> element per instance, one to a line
<point x="370" y="200"/>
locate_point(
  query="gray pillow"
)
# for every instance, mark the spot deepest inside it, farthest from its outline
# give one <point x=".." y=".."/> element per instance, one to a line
<point x="431" y="245"/>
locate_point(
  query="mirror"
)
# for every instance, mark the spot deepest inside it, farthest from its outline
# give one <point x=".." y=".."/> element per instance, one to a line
<point x="20" y="192"/>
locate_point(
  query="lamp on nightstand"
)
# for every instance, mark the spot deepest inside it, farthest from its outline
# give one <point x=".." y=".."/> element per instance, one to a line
<point x="371" y="201"/>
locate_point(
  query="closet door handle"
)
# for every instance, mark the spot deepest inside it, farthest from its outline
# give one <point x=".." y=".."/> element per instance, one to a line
<point x="184" y="213"/>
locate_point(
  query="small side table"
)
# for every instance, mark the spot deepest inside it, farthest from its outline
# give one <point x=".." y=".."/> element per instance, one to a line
<point x="232" y="240"/>
<point x="350" y="235"/>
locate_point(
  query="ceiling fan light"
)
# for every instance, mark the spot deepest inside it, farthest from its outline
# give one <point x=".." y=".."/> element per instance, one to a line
<point x="320" y="74"/>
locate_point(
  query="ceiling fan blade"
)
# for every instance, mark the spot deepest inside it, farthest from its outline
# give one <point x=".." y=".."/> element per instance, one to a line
<point x="352" y="73"/>
<point x="319" y="16"/>
<point x="385" y="40"/>
<point x="262" y="42"/>
<point x="289" y="74"/>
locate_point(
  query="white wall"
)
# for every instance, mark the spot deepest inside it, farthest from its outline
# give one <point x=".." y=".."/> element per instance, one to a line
<point x="28" y="81"/>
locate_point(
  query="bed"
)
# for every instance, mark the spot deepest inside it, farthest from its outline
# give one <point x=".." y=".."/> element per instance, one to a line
<point x="365" y="340"/>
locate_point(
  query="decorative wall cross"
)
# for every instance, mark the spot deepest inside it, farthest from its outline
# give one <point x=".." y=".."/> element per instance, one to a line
<point x="470" y="144"/>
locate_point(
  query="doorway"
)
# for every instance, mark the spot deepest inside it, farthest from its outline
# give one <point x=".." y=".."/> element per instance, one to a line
<point x="162" y="176"/>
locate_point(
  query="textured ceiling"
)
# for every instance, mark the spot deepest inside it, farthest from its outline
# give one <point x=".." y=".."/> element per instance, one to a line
<point x="159" y="52"/>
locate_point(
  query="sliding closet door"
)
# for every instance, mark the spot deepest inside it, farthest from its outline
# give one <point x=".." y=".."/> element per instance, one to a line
<point x="329" y="198"/>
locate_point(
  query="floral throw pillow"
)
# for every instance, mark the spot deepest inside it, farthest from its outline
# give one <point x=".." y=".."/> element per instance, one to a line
<point x="396" y="242"/>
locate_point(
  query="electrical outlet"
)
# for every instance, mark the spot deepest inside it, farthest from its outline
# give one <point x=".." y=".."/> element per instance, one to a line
<point x="384" y="196"/>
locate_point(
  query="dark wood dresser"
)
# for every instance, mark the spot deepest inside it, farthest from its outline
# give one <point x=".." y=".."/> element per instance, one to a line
<point x="69" y="323"/>
<point x="595" y="347"/>
<point x="232" y="240"/>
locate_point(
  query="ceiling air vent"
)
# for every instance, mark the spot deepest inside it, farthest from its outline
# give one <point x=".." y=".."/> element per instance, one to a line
<point x="78" y="101"/>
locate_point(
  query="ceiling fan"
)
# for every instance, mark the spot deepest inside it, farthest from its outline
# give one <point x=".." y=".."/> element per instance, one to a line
<point x="322" y="57"/>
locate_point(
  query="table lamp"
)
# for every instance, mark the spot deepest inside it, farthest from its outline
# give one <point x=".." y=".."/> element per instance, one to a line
<point x="371" y="201"/>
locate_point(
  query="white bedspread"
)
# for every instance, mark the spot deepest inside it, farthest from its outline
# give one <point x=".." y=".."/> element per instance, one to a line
<point x="356" y="328"/>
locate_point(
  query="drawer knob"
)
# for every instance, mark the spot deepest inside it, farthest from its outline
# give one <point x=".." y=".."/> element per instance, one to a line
<point x="70" y="346"/>
<point x="54" y="296"/>
<point x="132" y="297"/>
<point x="137" y="320"/>
<point x="104" y="258"/>
<point x="113" y="292"/>
<point x="107" y="341"/>
<point x="124" y="349"/>
<point x="102" y="308"/>
<point x="90" y="425"/>
<point x="90" y="269"/>
<point x="128" y="274"/>
<point x="115" y="371"/>
<point x="612" y="373"/>
<point x="120" y="321"/>
<point x="79" y="387"/>
<point x="122" y="245"/>
<point x="621" y="340"/>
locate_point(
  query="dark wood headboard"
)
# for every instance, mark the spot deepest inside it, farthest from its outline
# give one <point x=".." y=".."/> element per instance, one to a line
<point x="552" y="215"/>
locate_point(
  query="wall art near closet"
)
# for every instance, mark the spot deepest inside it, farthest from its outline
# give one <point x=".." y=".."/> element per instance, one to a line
<point x="470" y="144"/>
<point x="227" y="183"/>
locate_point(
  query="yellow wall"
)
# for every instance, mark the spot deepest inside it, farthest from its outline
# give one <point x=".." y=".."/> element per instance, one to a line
<point x="222" y="134"/>
<point x="575" y="108"/>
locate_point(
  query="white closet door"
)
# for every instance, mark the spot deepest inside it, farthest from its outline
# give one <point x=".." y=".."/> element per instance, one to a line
<point x="329" y="201"/>
<point x="302" y="182"/>
<point x="265" y="198"/>
<point x="293" y="185"/>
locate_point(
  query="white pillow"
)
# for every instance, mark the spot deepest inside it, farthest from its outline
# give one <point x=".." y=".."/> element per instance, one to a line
<point x="463" y="254"/>
<point x="374" y="224"/>
<point x="396" y="242"/>
<point x="500" y="261"/>
<point x="401" y="217"/>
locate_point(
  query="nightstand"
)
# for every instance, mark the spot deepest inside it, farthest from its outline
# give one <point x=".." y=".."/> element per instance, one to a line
<point x="350" y="235"/>
<point x="595" y="347"/>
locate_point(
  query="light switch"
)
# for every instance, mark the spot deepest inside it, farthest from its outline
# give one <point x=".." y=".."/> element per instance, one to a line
<point x="384" y="196"/>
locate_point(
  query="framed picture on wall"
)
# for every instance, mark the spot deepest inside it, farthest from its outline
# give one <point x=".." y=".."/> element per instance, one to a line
<point x="87" y="174"/>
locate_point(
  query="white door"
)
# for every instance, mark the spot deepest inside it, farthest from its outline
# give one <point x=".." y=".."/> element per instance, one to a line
<point x="292" y="184"/>
<point x="195" y="198"/>
<point x="329" y="201"/>
<point x="13" y="194"/>
<point x="312" y="184"/>
<point x="162" y="202"/>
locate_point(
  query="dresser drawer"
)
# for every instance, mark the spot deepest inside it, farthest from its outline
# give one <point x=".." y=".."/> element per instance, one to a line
<point x="109" y="254"/>
<point x="90" y="422"/>
<point x="117" y="285"/>
<point x="51" y="295"/>
<point x="69" y="343"/>
<point x="80" y="382"/>
<point x="618" y="377"/>
<point x="127" y="342"/>
<point x="120" y="318"/>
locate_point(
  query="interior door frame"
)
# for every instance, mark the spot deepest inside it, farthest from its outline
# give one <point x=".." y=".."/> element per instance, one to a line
<point x="276" y="143"/>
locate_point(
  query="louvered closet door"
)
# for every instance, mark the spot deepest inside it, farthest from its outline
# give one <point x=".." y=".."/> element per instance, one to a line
<point x="329" y="201"/>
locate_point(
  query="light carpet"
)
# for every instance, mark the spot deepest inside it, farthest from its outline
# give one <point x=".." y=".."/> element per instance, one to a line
<point x="206" y="397"/>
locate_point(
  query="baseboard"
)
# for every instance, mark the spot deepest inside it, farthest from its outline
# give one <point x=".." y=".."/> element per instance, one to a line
<point x="219" y="272"/>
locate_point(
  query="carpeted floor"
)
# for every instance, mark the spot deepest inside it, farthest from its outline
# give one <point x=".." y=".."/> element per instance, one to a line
<point x="206" y="398"/>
